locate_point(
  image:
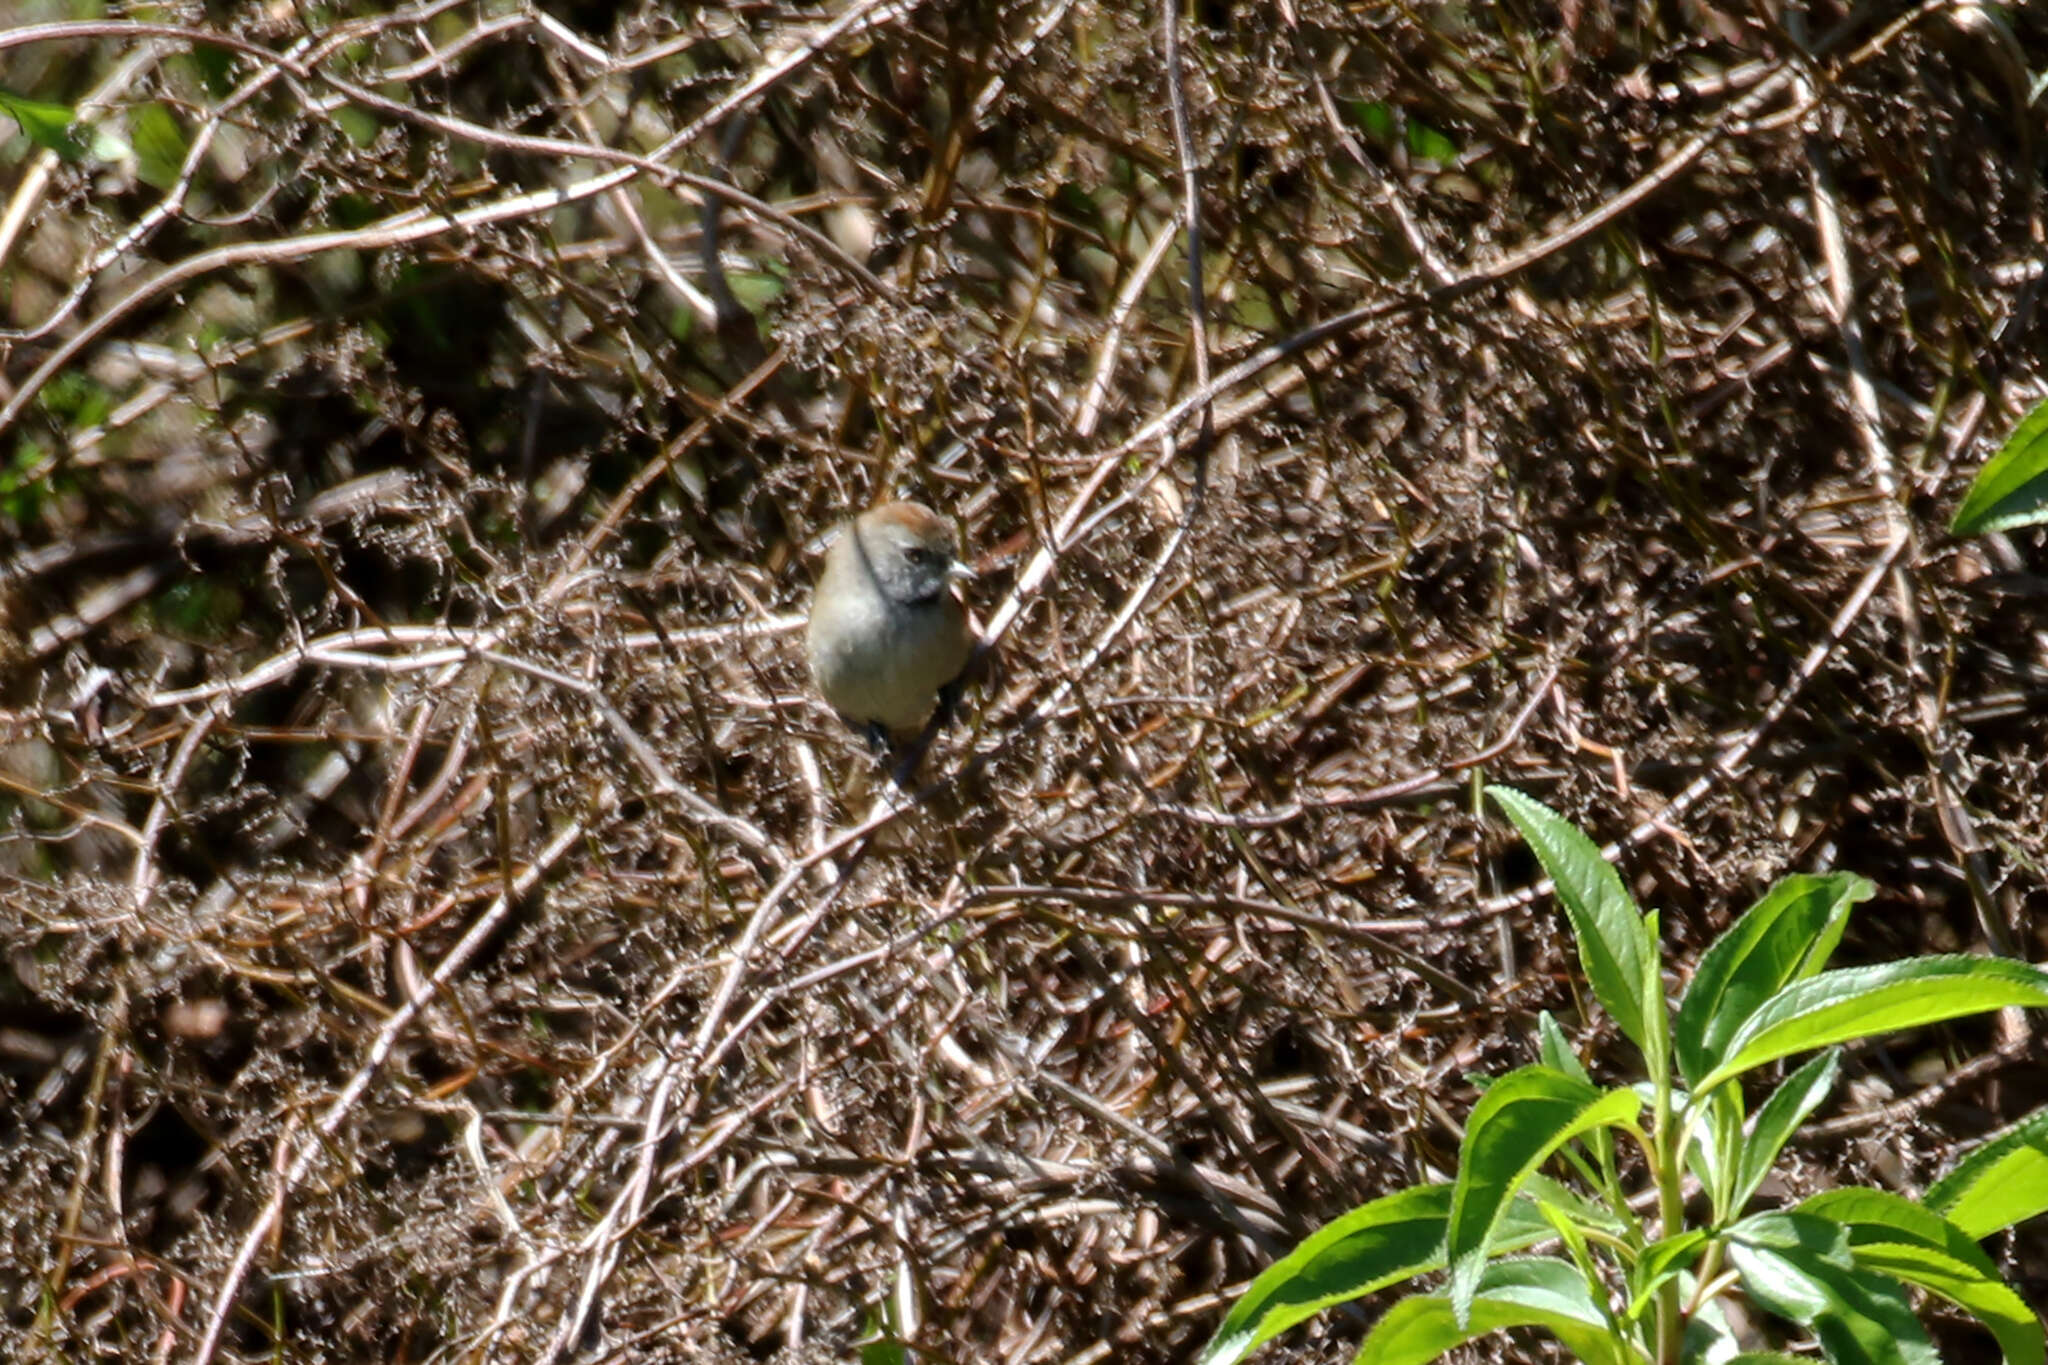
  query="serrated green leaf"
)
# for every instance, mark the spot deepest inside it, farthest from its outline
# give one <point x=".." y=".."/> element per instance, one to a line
<point x="47" y="125"/>
<point x="1541" y="1292"/>
<point x="1384" y="1242"/>
<point x="1860" y="1002"/>
<point x="1391" y="1239"/>
<point x="1587" y="1213"/>
<point x="2011" y="490"/>
<point x="1521" y="1119"/>
<point x="1614" y="947"/>
<point x="1800" y="1267"/>
<point x="2003" y="1181"/>
<point x="1986" y="1298"/>
<point x="1894" y="1236"/>
<point x="1555" y="1050"/>
<point x="1799" y="1095"/>
<point x="1786" y="936"/>
<point x="1879" y="1215"/>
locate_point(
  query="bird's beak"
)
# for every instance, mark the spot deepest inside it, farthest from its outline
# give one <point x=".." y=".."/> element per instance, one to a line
<point x="960" y="573"/>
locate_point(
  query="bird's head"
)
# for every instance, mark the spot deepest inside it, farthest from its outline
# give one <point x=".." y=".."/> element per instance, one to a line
<point x="910" y="550"/>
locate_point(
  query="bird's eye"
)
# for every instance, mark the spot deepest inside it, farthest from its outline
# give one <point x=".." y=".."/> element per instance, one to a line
<point x="918" y="554"/>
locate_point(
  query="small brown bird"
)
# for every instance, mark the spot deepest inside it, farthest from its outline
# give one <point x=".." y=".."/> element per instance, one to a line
<point x="888" y="638"/>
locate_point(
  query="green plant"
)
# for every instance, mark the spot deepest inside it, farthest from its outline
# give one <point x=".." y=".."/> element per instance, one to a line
<point x="2011" y="490"/>
<point x="1620" y="1279"/>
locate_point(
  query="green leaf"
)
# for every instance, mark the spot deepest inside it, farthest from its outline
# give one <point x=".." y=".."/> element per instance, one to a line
<point x="1895" y="1236"/>
<point x="1659" y="1262"/>
<point x="1786" y="936"/>
<point x="214" y="66"/>
<point x="1880" y="1216"/>
<point x="885" y="1351"/>
<point x="1425" y="141"/>
<point x="1521" y="1119"/>
<point x="77" y="399"/>
<point x="1391" y="1239"/>
<point x="1709" y="1340"/>
<point x="1375" y="118"/>
<point x="1717" y="1145"/>
<point x="1859" y="1002"/>
<point x="1574" y="1240"/>
<point x="106" y="143"/>
<point x="2011" y="490"/>
<point x="1587" y="1213"/>
<point x="1650" y="990"/>
<point x="756" y="289"/>
<point x="2001" y="1182"/>
<point x="160" y="145"/>
<point x="1992" y="1302"/>
<point x="359" y="125"/>
<point x="1614" y="947"/>
<point x="45" y="124"/>
<point x="1554" y="1050"/>
<point x="1799" y="1267"/>
<point x="1799" y="1095"/>
<point x="882" y="1346"/>
<point x="22" y="491"/>
<point x="1531" y="1293"/>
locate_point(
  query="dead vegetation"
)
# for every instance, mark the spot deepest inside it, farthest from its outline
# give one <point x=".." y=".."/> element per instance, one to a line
<point x="441" y="926"/>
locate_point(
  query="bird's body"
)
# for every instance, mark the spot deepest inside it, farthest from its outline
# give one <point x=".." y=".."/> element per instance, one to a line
<point x="887" y="635"/>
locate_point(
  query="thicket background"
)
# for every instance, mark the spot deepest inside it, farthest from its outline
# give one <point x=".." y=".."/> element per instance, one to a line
<point x="439" y="924"/>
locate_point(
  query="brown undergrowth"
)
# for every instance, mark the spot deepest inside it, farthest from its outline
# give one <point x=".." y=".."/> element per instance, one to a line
<point x="440" y="925"/>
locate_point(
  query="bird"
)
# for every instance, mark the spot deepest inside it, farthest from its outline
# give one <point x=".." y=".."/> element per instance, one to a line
<point x="888" y="639"/>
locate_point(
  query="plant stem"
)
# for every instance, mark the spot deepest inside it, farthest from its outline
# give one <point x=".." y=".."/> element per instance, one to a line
<point x="1668" y="1151"/>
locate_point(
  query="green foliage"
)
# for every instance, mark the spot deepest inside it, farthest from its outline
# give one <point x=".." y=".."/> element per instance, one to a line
<point x="2011" y="490"/>
<point x="1391" y="1239"/>
<point x="1615" y="945"/>
<point x="198" y="608"/>
<point x="882" y="1346"/>
<point x="2002" y="1182"/>
<point x="1785" y="937"/>
<point x="1842" y="1266"/>
<point x="1913" y="1243"/>
<point x="1800" y="1267"/>
<point x="160" y="144"/>
<point x="47" y="125"/>
<point x="756" y="289"/>
<point x="1380" y="122"/>
<point x="1425" y="141"/>
<point x="1520" y="1120"/>
<point x="361" y="126"/>
<point x="1537" y="1292"/>
<point x="1839" y="1006"/>
<point x="77" y="399"/>
<point x="25" y="482"/>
